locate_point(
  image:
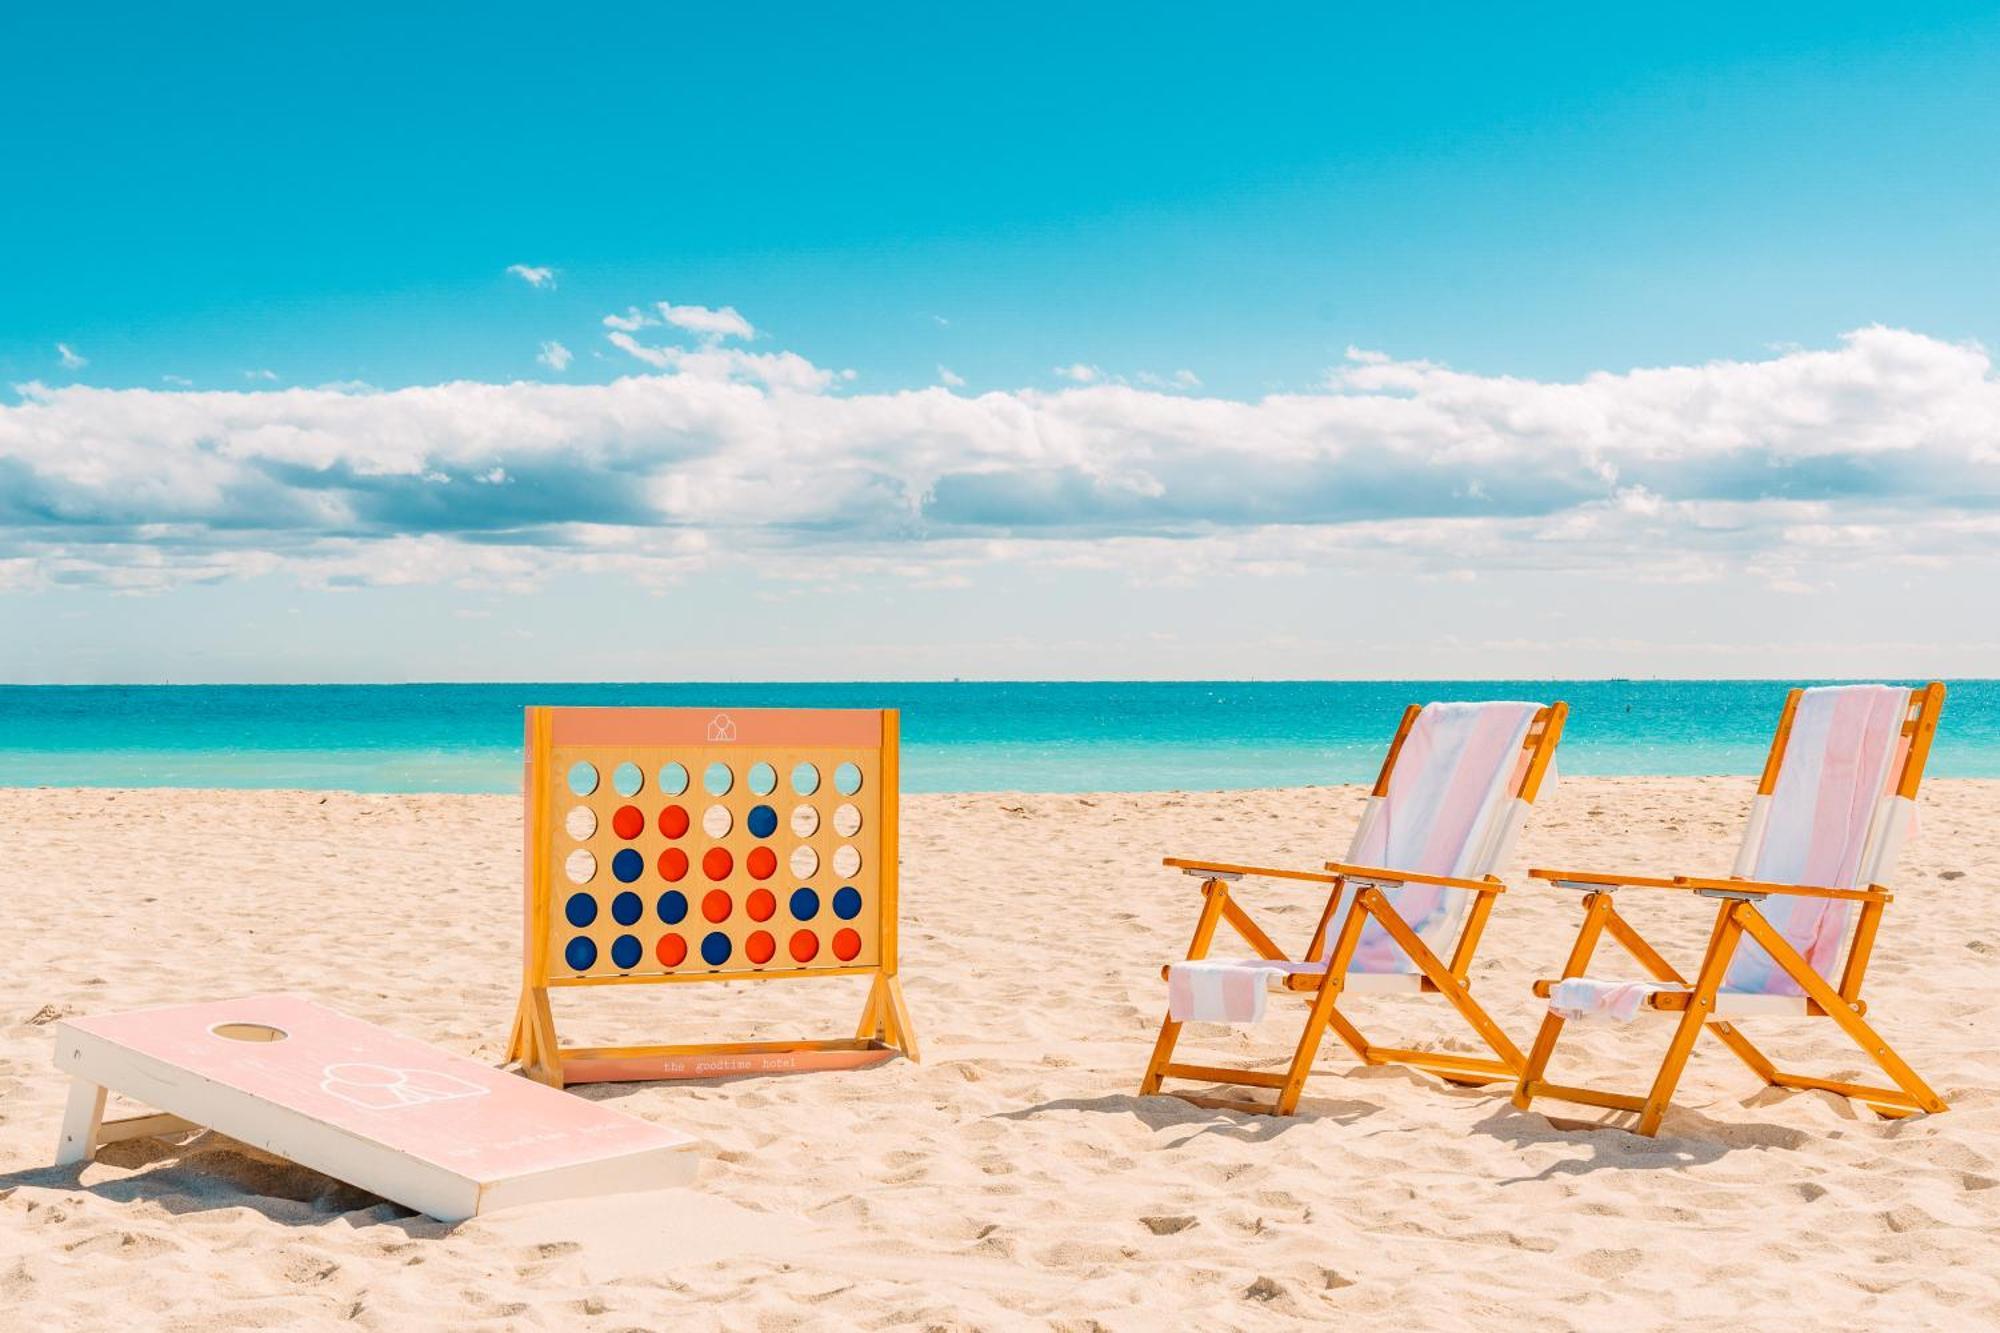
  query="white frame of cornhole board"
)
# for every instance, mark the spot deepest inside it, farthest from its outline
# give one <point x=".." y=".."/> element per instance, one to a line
<point x="555" y="737"/>
<point x="544" y="1147"/>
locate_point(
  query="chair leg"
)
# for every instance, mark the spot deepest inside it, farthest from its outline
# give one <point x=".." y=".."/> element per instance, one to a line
<point x="1322" y="1008"/>
<point x="1216" y="895"/>
<point x="1841" y="1011"/>
<point x="1721" y="947"/>
<point x="1597" y="908"/>
<point x="1649" y="958"/>
<point x="1449" y="984"/>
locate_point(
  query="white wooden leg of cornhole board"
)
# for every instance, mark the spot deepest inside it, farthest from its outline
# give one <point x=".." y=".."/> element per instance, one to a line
<point x="434" y="1132"/>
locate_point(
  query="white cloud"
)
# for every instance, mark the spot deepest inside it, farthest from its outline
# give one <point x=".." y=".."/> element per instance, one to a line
<point x="709" y="326"/>
<point x="71" y="359"/>
<point x="1080" y="373"/>
<point x="533" y="275"/>
<point x="555" y="356"/>
<point x="631" y="321"/>
<point x="1180" y="379"/>
<point x="706" y="323"/>
<point x="178" y="381"/>
<point x="950" y="378"/>
<point x="1881" y="452"/>
<point x="270" y="376"/>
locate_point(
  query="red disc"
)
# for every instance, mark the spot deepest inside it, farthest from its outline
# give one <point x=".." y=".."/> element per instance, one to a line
<point x="805" y="946"/>
<point x="716" y="906"/>
<point x="627" y="822"/>
<point x="673" y="951"/>
<point x="716" y="863"/>
<point x="673" y="821"/>
<point x="760" y="946"/>
<point x="762" y="903"/>
<point x="846" y="944"/>
<point x="762" y="863"/>
<point x="673" y="864"/>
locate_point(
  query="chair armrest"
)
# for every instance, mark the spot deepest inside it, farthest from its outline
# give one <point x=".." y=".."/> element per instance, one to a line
<point x="1874" y="893"/>
<point x="1582" y="879"/>
<point x="1385" y="876"/>
<point x="1227" y="870"/>
<point x="1590" y="879"/>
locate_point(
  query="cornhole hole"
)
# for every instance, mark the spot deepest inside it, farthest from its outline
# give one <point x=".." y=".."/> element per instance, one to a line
<point x="434" y="1132"/>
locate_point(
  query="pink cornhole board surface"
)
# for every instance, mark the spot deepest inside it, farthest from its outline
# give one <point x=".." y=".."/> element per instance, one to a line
<point x="435" y="1132"/>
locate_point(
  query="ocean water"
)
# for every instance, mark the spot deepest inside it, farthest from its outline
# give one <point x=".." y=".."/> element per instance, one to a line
<point x="971" y="736"/>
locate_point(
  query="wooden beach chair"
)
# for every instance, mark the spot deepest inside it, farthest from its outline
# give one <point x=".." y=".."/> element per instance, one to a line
<point x="1417" y="887"/>
<point x="1835" y="802"/>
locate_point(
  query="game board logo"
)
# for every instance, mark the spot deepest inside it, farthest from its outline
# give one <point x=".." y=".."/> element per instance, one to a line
<point x="722" y="727"/>
<point x="384" y="1088"/>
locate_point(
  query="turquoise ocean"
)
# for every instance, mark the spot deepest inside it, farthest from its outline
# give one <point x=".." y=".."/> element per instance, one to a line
<point x="957" y="736"/>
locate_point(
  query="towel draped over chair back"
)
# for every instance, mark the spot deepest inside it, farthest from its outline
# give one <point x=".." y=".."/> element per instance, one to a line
<point x="1833" y="819"/>
<point x="1449" y="810"/>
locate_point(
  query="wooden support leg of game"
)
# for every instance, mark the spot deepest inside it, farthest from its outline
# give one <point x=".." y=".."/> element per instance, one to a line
<point x="680" y="845"/>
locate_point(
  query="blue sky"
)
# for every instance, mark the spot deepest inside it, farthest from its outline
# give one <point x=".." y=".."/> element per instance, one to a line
<point x="1201" y="215"/>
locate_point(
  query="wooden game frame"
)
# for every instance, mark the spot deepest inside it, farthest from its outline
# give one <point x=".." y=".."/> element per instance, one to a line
<point x="884" y="1030"/>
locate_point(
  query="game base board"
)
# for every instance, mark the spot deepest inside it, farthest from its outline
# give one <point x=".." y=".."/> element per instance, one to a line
<point x="432" y="1131"/>
<point x="647" y="1063"/>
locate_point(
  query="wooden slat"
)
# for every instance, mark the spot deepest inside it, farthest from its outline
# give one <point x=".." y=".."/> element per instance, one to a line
<point x="1858" y="1091"/>
<point x="143" y="1127"/>
<point x="1250" y="1078"/>
<point x="1261" y="872"/>
<point x="1611" y="1101"/>
<point x="1438" y="1060"/>
<point x="671" y="978"/>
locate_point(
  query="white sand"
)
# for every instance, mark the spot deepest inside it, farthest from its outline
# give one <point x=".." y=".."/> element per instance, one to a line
<point x="1012" y="1178"/>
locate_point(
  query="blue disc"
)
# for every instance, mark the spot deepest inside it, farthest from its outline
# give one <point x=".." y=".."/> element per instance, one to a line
<point x="582" y="778"/>
<point x="762" y="821"/>
<point x="627" y="908"/>
<point x="847" y="903"/>
<point x="580" y="954"/>
<point x="805" y="904"/>
<point x="715" y="948"/>
<point x="805" y="779"/>
<point x="626" y="779"/>
<point x="847" y="779"/>
<point x="673" y="779"/>
<point x="628" y="865"/>
<point x="580" y="910"/>
<point x="763" y="779"/>
<point x="673" y="907"/>
<point x="626" y="952"/>
<point x="716" y="779"/>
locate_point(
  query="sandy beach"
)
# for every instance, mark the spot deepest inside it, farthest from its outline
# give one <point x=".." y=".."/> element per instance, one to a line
<point x="1012" y="1178"/>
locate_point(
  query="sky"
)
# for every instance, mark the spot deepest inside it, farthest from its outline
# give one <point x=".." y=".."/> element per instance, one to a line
<point x="797" y="342"/>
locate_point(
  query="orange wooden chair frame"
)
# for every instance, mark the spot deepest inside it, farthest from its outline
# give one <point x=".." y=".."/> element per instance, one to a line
<point x="1435" y="976"/>
<point x="1737" y="917"/>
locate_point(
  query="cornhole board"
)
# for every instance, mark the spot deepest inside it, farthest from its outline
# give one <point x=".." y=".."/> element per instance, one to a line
<point x="434" y="1132"/>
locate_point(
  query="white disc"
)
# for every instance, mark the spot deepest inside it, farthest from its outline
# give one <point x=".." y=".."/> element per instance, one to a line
<point x="581" y="823"/>
<point x="846" y="860"/>
<point x="805" y="863"/>
<point x="805" y="821"/>
<point x="847" y="820"/>
<point x="581" y="867"/>
<point x="716" y="821"/>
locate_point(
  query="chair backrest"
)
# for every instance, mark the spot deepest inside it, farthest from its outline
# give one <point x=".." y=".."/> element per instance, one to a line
<point x="1453" y="794"/>
<point x="1832" y="809"/>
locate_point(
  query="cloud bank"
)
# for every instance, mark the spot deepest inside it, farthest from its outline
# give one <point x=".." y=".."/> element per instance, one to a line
<point x="1885" y="448"/>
